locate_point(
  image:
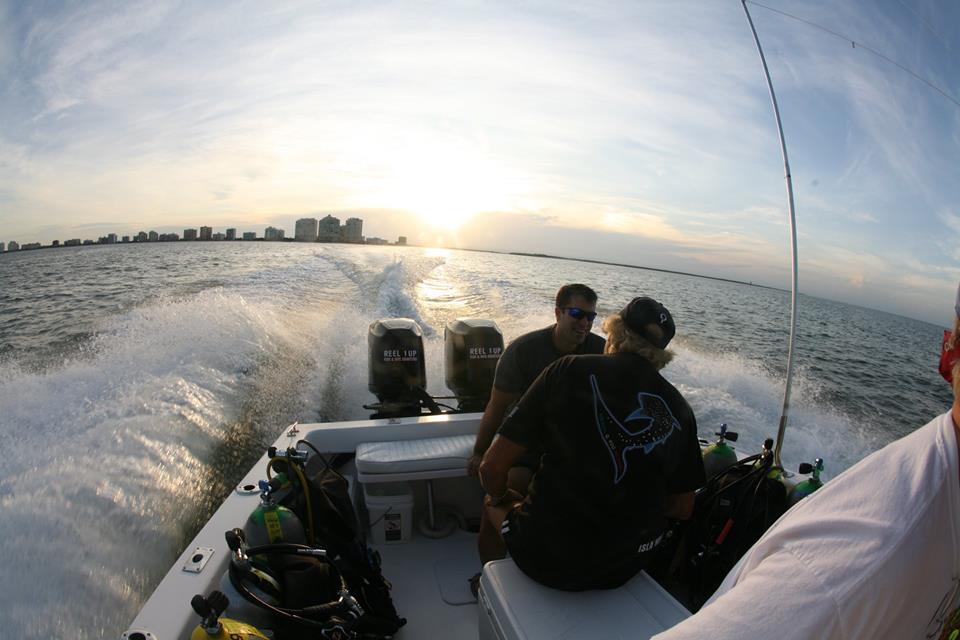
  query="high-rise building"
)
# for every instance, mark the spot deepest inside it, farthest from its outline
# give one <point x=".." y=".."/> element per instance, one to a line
<point x="305" y="230"/>
<point x="169" y="237"/>
<point x="72" y="242"/>
<point x="249" y="235"/>
<point x="153" y="236"/>
<point x="111" y="238"/>
<point x="353" y="230"/>
<point x="206" y="233"/>
<point x="3" y="247"/>
<point x="189" y="234"/>
<point x="219" y="236"/>
<point x="126" y="239"/>
<point x="231" y="234"/>
<point x="402" y="240"/>
<point x="13" y="245"/>
<point x="141" y="237"/>
<point x="272" y="233"/>
<point x="329" y="229"/>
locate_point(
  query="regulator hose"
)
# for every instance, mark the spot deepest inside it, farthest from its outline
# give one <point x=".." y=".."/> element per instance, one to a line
<point x="306" y="493"/>
<point x="345" y="604"/>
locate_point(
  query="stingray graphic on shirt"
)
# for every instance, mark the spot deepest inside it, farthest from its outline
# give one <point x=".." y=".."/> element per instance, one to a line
<point x="650" y="424"/>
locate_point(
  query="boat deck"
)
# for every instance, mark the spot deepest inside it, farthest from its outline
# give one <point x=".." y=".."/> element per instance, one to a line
<point x="430" y="587"/>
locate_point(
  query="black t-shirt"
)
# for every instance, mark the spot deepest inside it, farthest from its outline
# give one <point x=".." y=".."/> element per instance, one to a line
<point x="527" y="356"/>
<point x="616" y="438"/>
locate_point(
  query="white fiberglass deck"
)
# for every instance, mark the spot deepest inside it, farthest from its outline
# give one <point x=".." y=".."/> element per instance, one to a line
<point x="422" y="572"/>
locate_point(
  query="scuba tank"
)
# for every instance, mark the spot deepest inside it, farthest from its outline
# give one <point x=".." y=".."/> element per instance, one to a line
<point x="720" y="455"/>
<point x="270" y="522"/>
<point x="811" y="484"/>
<point x="213" y="627"/>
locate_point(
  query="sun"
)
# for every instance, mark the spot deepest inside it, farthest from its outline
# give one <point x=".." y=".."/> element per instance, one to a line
<point x="446" y="185"/>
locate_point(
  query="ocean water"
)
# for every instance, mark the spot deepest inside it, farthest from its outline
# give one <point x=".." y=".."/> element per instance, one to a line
<point x="139" y="382"/>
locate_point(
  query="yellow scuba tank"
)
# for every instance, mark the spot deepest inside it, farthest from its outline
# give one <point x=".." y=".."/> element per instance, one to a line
<point x="720" y="455"/>
<point x="811" y="484"/>
<point x="271" y="522"/>
<point x="213" y="627"/>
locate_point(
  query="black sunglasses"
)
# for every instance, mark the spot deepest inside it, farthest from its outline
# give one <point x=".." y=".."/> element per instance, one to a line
<point x="577" y="313"/>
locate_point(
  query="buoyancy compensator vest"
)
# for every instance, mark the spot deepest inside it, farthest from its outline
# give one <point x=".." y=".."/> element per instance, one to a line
<point x="318" y="495"/>
<point x="731" y="512"/>
<point x="325" y="493"/>
<point x="306" y="594"/>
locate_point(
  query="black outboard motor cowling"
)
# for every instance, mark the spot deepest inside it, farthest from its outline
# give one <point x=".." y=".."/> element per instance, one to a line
<point x="397" y="369"/>
<point x="472" y="348"/>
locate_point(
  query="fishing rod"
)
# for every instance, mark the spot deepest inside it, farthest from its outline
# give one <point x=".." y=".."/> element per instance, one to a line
<point x="793" y="244"/>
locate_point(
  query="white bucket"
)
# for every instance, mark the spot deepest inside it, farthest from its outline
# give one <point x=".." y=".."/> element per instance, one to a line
<point x="390" y="510"/>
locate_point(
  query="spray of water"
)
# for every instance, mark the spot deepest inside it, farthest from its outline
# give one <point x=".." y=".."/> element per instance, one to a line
<point x="116" y="454"/>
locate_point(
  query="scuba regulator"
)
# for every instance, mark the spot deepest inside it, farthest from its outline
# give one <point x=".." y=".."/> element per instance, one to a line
<point x="811" y="484"/>
<point x="213" y="627"/>
<point x="719" y="455"/>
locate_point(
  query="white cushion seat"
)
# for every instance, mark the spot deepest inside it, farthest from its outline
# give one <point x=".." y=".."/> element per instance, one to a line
<point x="515" y="607"/>
<point x="418" y="459"/>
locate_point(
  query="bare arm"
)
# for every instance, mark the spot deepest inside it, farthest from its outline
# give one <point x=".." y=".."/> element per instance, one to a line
<point x="497" y="461"/>
<point x="493" y="415"/>
<point x="679" y="506"/>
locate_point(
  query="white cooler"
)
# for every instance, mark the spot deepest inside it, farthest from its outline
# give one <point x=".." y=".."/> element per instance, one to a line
<point x="390" y="511"/>
<point x="514" y="607"/>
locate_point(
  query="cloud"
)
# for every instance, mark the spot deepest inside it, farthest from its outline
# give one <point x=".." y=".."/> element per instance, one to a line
<point x="863" y="216"/>
<point x="644" y="123"/>
<point x="951" y="219"/>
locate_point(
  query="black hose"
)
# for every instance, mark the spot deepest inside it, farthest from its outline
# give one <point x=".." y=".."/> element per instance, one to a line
<point x="341" y="604"/>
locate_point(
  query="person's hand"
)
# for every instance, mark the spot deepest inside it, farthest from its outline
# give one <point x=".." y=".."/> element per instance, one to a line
<point x="507" y="498"/>
<point x="473" y="465"/>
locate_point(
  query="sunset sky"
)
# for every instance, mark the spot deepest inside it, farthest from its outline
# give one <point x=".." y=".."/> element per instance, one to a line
<point x="636" y="132"/>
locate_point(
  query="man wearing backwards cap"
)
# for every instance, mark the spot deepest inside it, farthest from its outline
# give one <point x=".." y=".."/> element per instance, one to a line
<point x="619" y="456"/>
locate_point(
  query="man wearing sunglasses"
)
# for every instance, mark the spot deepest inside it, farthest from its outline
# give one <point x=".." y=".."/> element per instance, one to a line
<point x="521" y="363"/>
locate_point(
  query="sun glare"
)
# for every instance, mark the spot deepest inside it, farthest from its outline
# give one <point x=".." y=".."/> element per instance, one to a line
<point x="445" y="187"/>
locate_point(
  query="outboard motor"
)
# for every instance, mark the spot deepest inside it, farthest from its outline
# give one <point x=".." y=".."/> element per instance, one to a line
<point x="472" y="348"/>
<point x="397" y="369"/>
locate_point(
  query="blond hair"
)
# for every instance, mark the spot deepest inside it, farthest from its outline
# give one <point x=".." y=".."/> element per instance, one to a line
<point x="620" y="338"/>
<point x="952" y="340"/>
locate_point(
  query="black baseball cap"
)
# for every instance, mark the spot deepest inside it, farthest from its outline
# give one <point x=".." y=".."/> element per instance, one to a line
<point x="642" y="311"/>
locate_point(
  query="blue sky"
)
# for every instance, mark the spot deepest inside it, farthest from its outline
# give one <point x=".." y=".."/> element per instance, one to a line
<point x="637" y="132"/>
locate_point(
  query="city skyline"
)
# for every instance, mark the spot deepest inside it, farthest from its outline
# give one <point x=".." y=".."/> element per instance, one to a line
<point x="205" y="233"/>
<point x="640" y="133"/>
